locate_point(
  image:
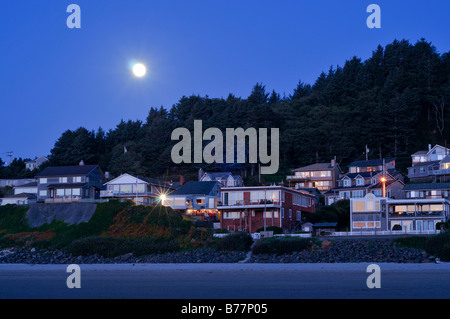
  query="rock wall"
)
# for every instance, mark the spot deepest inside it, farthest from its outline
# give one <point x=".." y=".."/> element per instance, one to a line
<point x="71" y="213"/>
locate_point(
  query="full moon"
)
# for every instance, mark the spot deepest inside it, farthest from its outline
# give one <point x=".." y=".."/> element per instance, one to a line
<point x="139" y="70"/>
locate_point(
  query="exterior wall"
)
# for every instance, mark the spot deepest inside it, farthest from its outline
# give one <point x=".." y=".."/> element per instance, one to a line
<point x="248" y="215"/>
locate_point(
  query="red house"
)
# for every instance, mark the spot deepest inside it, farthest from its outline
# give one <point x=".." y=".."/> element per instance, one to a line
<point x="250" y="208"/>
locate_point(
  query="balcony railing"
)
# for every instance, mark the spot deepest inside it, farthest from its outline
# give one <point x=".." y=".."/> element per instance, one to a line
<point x="260" y="202"/>
<point x="416" y="214"/>
<point x="111" y="193"/>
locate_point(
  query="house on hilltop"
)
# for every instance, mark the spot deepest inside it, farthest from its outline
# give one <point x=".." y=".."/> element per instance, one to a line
<point x="63" y="184"/>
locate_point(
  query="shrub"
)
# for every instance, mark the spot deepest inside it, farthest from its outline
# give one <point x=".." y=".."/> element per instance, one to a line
<point x="439" y="246"/>
<point x="235" y="242"/>
<point x="281" y="245"/>
<point x="397" y="227"/>
<point x="275" y="229"/>
<point x="417" y="242"/>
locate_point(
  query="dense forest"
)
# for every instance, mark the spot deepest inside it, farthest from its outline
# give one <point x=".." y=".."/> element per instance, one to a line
<point x="396" y="102"/>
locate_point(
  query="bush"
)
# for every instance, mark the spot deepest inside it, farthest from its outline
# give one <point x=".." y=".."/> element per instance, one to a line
<point x="397" y="227"/>
<point x="281" y="246"/>
<point x="275" y="229"/>
<point x="439" y="246"/>
<point x="417" y="242"/>
<point x="235" y="242"/>
<point x="110" y="247"/>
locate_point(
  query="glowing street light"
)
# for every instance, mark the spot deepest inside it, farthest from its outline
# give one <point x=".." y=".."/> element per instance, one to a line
<point x="383" y="180"/>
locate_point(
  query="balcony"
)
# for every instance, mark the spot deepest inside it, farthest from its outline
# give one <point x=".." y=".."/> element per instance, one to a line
<point x="416" y="214"/>
<point x="111" y="193"/>
<point x="249" y="204"/>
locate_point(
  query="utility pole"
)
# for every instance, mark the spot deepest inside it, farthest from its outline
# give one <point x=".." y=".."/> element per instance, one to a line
<point x="10" y="157"/>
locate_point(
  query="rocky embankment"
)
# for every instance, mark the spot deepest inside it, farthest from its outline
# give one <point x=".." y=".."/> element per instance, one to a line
<point x="350" y="251"/>
<point x="339" y="251"/>
<point x="32" y="256"/>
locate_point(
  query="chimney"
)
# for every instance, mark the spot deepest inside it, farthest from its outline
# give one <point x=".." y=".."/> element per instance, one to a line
<point x="429" y="147"/>
<point x="81" y="163"/>
<point x="181" y="180"/>
<point x="200" y="174"/>
<point x="333" y="162"/>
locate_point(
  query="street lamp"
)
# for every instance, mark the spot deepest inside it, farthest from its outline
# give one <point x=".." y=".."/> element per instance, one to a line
<point x="383" y="180"/>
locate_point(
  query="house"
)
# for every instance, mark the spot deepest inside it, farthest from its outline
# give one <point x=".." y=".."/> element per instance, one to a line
<point x="141" y="190"/>
<point x="358" y="185"/>
<point x="250" y="208"/>
<point x="61" y="184"/>
<point x="407" y="214"/>
<point x="322" y="176"/>
<point x="18" y="199"/>
<point x="430" y="166"/>
<point x="374" y="165"/>
<point x="226" y="179"/>
<point x="28" y="188"/>
<point x="364" y="177"/>
<point x="195" y="198"/>
<point x="14" y="182"/>
<point x="32" y="165"/>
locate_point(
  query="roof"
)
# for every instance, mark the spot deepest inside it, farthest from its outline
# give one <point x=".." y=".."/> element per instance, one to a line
<point x="429" y="163"/>
<point x="32" y="184"/>
<point x="363" y="174"/>
<point x="314" y="167"/>
<point x="21" y="195"/>
<point x="446" y="159"/>
<point x="195" y="188"/>
<point x="67" y="185"/>
<point x="420" y="153"/>
<point x="373" y="162"/>
<point x="67" y="170"/>
<point x="426" y="186"/>
<point x="220" y="175"/>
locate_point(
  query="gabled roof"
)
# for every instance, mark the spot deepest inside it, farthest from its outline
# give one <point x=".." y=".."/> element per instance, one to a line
<point x="196" y="188"/>
<point x="373" y="162"/>
<point x="420" y="153"/>
<point x="362" y="174"/>
<point x="75" y="170"/>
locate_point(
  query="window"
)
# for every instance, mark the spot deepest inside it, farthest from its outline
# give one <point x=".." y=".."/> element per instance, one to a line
<point x="299" y="215"/>
<point x="63" y="179"/>
<point x="77" y="179"/>
<point x="347" y="182"/>
<point x="231" y="215"/>
<point x="360" y="181"/>
<point x="357" y="194"/>
<point x="290" y="213"/>
<point x="43" y="180"/>
<point x="43" y="193"/>
<point x="282" y="212"/>
<point x="60" y="192"/>
<point x="76" y="192"/>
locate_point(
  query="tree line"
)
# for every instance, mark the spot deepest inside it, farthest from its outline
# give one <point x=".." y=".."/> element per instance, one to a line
<point x="395" y="102"/>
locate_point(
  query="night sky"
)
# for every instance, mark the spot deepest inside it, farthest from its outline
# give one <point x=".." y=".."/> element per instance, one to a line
<point x="53" y="78"/>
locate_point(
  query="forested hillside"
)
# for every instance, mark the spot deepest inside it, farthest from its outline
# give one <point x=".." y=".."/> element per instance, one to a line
<point x="396" y="102"/>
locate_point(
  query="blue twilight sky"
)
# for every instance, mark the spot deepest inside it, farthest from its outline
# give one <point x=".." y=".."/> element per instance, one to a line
<point x="53" y="78"/>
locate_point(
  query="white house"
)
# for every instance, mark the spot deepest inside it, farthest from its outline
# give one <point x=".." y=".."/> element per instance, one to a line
<point x="32" y="165"/>
<point x="18" y="199"/>
<point x="141" y="190"/>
